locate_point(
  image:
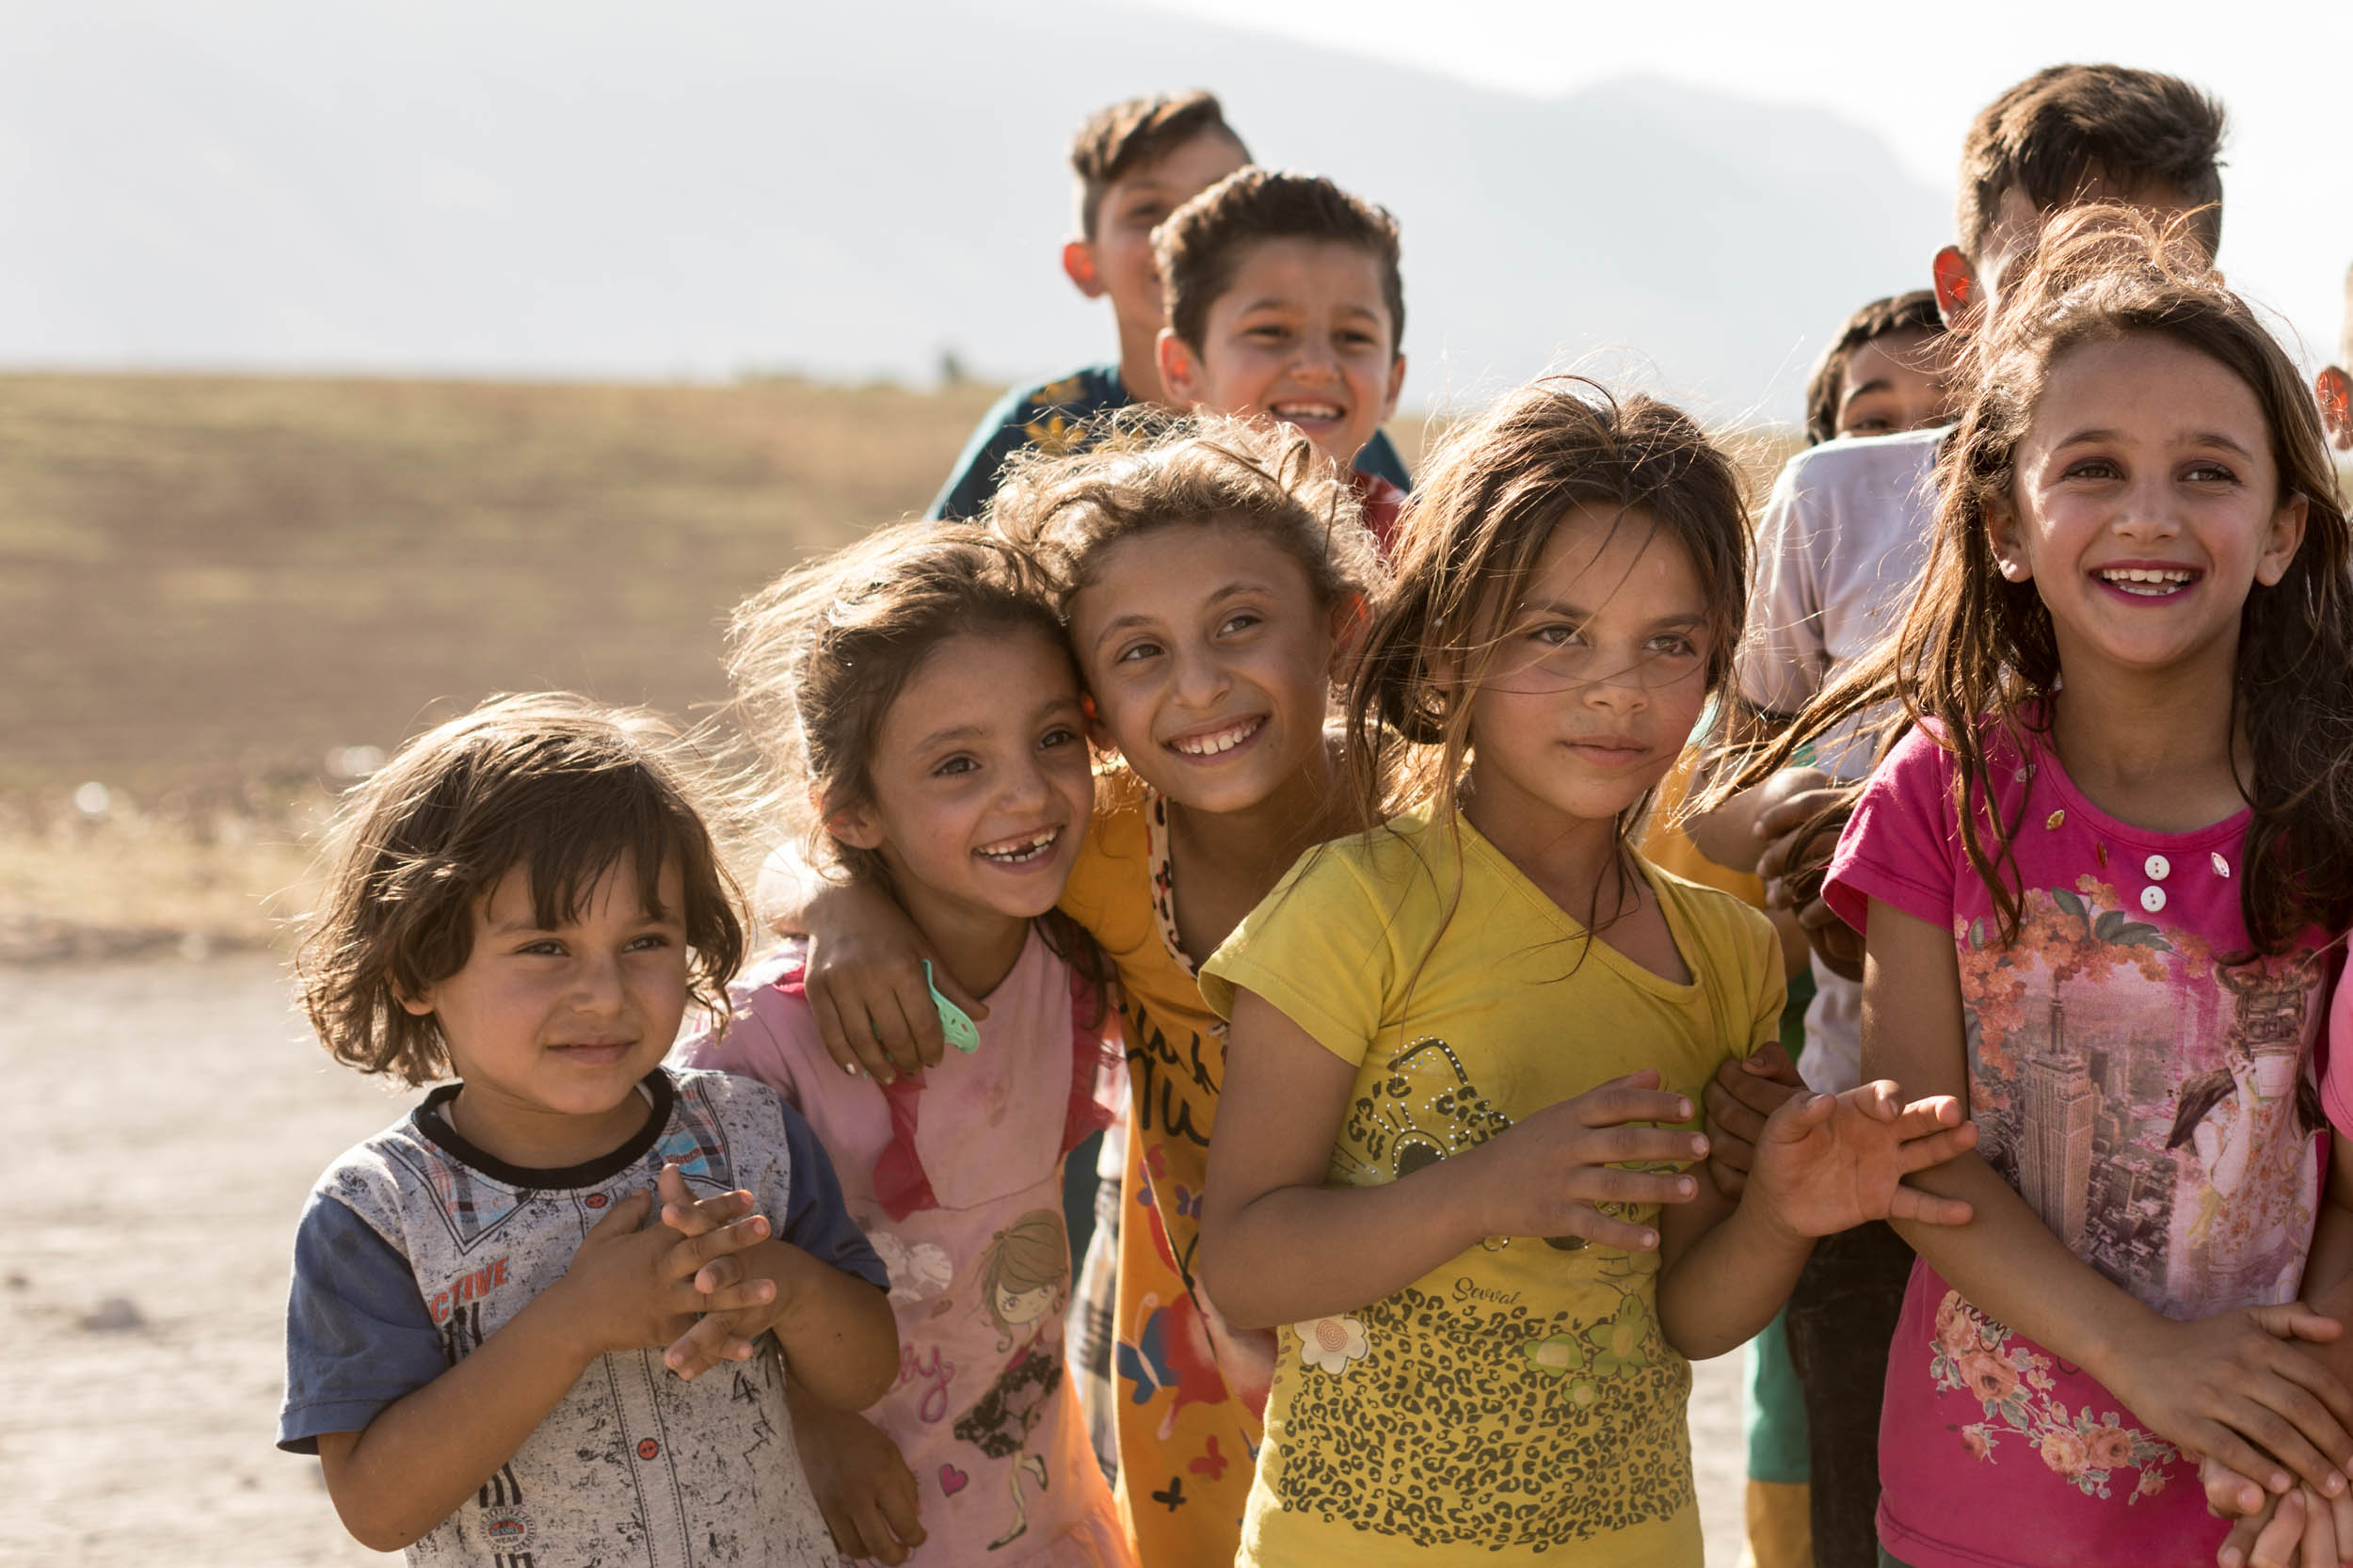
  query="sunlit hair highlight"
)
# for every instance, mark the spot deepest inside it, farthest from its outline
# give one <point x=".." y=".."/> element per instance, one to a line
<point x="552" y="784"/>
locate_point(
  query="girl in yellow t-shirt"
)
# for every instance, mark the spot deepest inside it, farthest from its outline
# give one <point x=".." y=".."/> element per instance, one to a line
<point x="1214" y="583"/>
<point x="1467" y="1045"/>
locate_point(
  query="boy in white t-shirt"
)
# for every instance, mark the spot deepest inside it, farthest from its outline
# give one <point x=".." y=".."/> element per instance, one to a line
<point x="1839" y="549"/>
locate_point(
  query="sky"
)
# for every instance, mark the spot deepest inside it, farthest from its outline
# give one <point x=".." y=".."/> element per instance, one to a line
<point x="1913" y="74"/>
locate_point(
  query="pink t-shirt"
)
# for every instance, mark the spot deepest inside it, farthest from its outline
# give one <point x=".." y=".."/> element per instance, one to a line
<point x="957" y="1182"/>
<point x="2155" y="1108"/>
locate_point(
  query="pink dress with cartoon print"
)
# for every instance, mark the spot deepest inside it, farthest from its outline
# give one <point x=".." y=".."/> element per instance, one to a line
<point x="956" y="1179"/>
<point x="2152" y="1102"/>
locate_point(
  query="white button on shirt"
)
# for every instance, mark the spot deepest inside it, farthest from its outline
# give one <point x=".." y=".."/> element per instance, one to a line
<point x="2158" y="868"/>
<point x="2152" y="899"/>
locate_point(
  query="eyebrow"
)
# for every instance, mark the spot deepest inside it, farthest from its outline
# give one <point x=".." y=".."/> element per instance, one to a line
<point x="1570" y="611"/>
<point x="1879" y="383"/>
<point x="2196" y="438"/>
<point x="967" y="731"/>
<point x="1120" y="623"/>
<point x="1276" y="302"/>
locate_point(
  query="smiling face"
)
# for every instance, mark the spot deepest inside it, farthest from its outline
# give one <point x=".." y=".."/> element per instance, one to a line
<point x="1118" y="260"/>
<point x="1302" y="332"/>
<point x="2146" y="505"/>
<point x="981" y="788"/>
<point x="1209" y="659"/>
<point x="1598" y="675"/>
<point x="551" y="1027"/>
<point x="1894" y="383"/>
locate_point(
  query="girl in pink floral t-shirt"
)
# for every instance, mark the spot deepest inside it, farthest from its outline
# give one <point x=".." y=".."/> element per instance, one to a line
<point x="2099" y="881"/>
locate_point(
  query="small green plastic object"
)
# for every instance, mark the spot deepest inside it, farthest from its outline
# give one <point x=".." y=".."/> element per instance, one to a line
<point x="954" y="1022"/>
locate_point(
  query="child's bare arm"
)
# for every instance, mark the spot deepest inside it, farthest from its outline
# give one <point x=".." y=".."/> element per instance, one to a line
<point x="2226" y="1387"/>
<point x="1279" y="1246"/>
<point x="424" y="1454"/>
<point x="866" y="983"/>
<point x="1824" y="1163"/>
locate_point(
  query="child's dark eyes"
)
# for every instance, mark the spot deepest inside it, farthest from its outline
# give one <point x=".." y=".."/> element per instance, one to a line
<point x="2093" y="468"/>
<point x="1242" y="621"/>
<point x="1061" y="735"/>
<point x="956" y="764"/>
<point x="2210" y="473"/>
<point x="1134" y="651"/>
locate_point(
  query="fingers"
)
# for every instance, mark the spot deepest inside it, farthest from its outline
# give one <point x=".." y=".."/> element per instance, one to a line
<point x="2276" y="1542"/>
<point x="842" y="1527"/>
<point x="1599" y="1228"/>
<point x="973" y="1006"/>
<point x="1784" y="817"/>
<point x="1615" y="1104"/>
<point x="1918" y="1154"/>
<point x="2230" y="1494"/>
<point x="2295" y="1320"/>
<point x="895" y="1499"/>
<point x="883" y="1545"/>
<point x="687" y="1258"/>
<point x="626" y="1216"/>
<point x="2281" y="1432"/>
<point x="848" y="1040"/>
<point x="682" y="1212"/>
<point x="1770" y="1061"/>
<point x="2320" y="1533"/>
<point x="1730" y="1115"/>
<point x="710" y="1341"/>
<point x="1927" y="1208"/>
<point x="2226" y="1447"/>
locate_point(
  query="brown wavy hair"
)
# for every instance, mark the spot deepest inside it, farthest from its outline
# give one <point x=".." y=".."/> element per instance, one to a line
<point x="1469" y="542"/>
<point x="552" y="782"/>
<point x="1977" y="652"/>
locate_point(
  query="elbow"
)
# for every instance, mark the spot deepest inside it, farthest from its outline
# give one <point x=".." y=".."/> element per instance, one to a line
<point x="369" y="1521"/>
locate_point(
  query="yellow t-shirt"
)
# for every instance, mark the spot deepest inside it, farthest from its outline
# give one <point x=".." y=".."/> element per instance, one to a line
<point x="1518" y="1401"/>
<point x="1188" y="1392"/>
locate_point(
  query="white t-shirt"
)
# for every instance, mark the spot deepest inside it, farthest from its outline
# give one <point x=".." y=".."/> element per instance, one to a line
<point x="1838" y="553"/>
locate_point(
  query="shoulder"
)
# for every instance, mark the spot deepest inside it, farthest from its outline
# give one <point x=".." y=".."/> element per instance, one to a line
<point x="1857" y="471"/>
<point x="1723" y="923"/>
<point x="1110" y="872"/>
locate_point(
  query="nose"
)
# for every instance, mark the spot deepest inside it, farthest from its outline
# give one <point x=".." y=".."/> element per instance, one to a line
<point x="1201" y="680"/>
<point x="1023" y="787"/>
<point x="597" y="987"/>
<point x="1313" y="360"/>
<point x="1619" y="689"/>
<point x="2147" y="509"/>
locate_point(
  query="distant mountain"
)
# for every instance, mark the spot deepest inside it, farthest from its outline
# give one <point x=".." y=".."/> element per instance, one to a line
<point x="588" y="186"/>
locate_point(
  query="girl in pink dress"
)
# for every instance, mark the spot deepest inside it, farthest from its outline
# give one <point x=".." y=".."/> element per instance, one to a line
<point x="916" y="692"/>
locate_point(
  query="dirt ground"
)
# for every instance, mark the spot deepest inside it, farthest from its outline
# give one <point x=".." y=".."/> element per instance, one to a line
<point x="164" y="1120"/>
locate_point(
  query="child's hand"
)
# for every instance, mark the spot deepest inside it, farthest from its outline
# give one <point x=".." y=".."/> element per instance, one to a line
<point x="866" y="984"/>
<point x="1746" y="1091"/>
<point x="629" y="1287"/>
<point x="2228" y="1387"/>
<point x="1804" y="832"/>
<point x="863" y="1487"/>
<point x="1828" y="1163"/>
<point x="2299" y="1529"/>
<point x="1549" y="1175"/>
<point x="715" y="1336"/>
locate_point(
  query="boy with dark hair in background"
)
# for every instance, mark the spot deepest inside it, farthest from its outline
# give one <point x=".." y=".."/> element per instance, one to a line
<point x="1284" y="297"/>
<point x="1839" y="549"/>
<point x="1133" y="163"/>
<point x="1885" y="373"/>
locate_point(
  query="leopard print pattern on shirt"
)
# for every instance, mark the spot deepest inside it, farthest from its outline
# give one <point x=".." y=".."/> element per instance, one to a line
<point x="1462" y="1423"/>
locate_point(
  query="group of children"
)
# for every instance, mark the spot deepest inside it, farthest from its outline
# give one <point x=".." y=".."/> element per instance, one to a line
<point x="1181" y="777"/>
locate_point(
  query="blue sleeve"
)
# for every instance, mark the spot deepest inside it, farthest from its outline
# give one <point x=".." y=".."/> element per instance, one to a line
<point x="1380" y="458"/>
<point x="995" y="439"/>
<point x="816" y="1220"/>
<point x="358" y="1334"/>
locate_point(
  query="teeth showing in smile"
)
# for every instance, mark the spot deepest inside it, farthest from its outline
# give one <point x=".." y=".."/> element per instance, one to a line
<point x="2148" y="582"/>
<point x="1217" y="740"/>
<point x="1307" y="411"/>
<point x="1021" y="851"/>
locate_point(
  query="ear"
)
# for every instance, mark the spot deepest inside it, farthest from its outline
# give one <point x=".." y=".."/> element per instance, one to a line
<point x="2001" y="528"/>
<point x="1351" y="620"/>
<point x="417" y="1006"/>
<point x="1397" y="384"/>
<point x="1956" y="284"/>
<point x="1078" y="264"/>
<point x="2335" y="390"/>
<point x="856" y="826"/>
<point x="2282" y="540"/>
<point x="1180" y="369"/>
